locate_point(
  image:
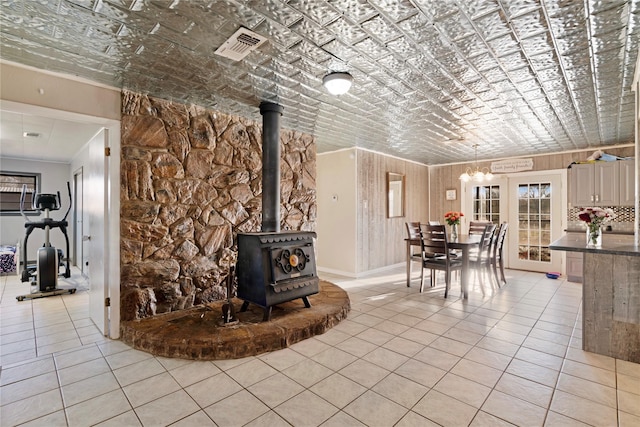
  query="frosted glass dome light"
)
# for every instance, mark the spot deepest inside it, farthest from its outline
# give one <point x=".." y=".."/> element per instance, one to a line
<point x="337" y="83"/>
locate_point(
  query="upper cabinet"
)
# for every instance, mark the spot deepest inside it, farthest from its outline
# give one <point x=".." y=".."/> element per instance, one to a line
<point x="603" y="184"/>
<point x="595" y="184"/>
<point x="607" y="184"/>
<point x="627" y="182"/>
<point x="583" y="183"/>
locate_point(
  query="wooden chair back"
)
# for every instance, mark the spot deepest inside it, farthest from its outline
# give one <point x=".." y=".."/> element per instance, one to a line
<point x="477" y="227"/>
<point x="413" y="230"/>
<point x="501" y="234"/>
<point x="433" y="241"/>
<point x="488" y="238"/>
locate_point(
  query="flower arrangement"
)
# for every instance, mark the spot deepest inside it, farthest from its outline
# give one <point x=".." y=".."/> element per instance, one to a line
<point x="453" y="218"/>
<point x="595" y="218"/>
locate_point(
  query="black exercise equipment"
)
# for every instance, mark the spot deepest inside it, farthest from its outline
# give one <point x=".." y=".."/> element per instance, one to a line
<point x="45" y="270"/>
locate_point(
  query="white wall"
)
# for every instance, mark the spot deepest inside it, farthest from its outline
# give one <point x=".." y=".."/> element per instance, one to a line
<point x="336" y="224"/>
<point x="54" y="177"/>
<point x="27" y="85"/>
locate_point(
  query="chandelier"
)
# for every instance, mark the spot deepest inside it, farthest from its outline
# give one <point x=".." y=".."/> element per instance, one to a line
<point x="476" y="174"/>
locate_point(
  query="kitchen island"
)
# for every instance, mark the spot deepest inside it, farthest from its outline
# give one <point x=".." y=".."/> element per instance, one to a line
<point x="610" y="295"/>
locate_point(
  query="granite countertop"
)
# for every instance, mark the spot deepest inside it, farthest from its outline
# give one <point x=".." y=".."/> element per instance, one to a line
<point x="614" y="245"/>
<point x="604" y="231"/>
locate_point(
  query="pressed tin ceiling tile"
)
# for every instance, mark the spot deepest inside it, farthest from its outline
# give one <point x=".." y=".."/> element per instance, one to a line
<point x="517" y="77"/>
<point x="356" y="11"/>
<point x="396" y="10"/>
<point x="381" y="29"/>
<point x="319" y="11"/>
<point x="346" y="31"/>
<point x="537" y="44"/>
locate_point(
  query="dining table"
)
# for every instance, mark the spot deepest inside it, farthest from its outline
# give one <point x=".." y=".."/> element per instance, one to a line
<point x="464" y="243"/>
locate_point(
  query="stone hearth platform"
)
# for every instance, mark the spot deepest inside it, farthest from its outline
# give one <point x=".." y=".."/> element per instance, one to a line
<point x="197" y="333"/>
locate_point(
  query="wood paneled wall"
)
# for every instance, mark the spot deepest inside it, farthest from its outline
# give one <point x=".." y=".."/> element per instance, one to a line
<point x="442" y="178"/>
<point x="381" y="239"/>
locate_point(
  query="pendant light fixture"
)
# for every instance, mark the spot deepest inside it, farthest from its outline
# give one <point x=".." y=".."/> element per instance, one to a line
<point x="337" y="83"/>
<point x="476" y="174"/>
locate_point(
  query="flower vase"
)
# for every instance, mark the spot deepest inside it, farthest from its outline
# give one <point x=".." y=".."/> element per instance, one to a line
<point x="594" y="236"/>
<point x="454" y="231"/>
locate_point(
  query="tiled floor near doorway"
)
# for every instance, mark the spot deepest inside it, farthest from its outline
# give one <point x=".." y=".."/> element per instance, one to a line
<point x="401" y="358"/>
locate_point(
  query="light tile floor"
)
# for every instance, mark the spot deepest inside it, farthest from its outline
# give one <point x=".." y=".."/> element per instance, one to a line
<point x="401" y="358"/>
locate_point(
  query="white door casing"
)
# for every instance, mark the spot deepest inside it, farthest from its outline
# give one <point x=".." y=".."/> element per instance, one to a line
<point x="508" y="184"/>
<point x="540" y="228"/>
<point x="468" y="208"/>
<point x="77" y="218"/>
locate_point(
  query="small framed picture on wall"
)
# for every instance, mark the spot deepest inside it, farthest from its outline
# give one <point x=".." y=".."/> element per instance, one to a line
<point x="451" y="194"/>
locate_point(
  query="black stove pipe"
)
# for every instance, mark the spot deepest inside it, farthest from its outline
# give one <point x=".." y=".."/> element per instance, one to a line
<point x="271" y="165"/>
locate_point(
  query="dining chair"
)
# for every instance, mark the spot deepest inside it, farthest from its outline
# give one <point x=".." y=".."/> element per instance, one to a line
<point x="497" y="256"/>
<point x="480" y="260"/>
<point x="436" y="254"/>
<point x="413" y="234"/>
<point x="413" y="230"/>
<point x="477" y="227"/>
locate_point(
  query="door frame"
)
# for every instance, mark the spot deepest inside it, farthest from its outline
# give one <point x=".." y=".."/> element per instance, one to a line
<point x="78" y="212"/>
<point x="112" y="203"/>
<point x="503" y="179"/>
<point x="547" y="175"/>
<point x="466" y="202"/>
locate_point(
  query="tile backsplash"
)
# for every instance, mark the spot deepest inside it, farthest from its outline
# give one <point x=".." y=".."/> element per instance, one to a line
<point x="623" y="221"/>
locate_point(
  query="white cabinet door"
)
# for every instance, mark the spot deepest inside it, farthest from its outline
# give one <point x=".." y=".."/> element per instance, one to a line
<point x="607" y="188"/>
<point x="627" y="182"/>
<point x="596" y="184"/>
<point x="582" y="185"/>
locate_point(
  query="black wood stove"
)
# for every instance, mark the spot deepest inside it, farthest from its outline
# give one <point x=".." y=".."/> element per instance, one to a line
<point x="276" y="267"/>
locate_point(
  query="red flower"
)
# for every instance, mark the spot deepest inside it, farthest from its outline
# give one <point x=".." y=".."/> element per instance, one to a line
<point x="453" y="217"/>
<point x="585" y="217"/>
<point x="596" y="216"/>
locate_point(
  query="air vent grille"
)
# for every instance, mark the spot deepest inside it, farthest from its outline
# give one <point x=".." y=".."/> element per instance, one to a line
<point x="240" y="44"/>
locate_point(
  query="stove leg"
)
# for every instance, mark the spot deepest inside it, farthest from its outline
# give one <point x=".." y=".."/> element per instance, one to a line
<point x="244" y="307"/>
<point x="306" y="302"/>
<point x="267" y="314"/>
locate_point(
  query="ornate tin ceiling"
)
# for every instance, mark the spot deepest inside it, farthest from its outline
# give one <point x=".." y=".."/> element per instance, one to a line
<point x="431" y="77"/>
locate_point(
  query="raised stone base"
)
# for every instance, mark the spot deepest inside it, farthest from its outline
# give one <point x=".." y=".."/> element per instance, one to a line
<point x="197" y="333"/>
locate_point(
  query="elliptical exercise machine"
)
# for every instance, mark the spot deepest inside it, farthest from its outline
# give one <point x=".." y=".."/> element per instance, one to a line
<point x="45" y="270"/>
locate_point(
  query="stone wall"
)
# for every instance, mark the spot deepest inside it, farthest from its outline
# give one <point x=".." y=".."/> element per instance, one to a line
<point x="191" y="179"/>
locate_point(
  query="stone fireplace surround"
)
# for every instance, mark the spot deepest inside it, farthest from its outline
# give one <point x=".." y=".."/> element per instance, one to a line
<point x="191" y="179"/>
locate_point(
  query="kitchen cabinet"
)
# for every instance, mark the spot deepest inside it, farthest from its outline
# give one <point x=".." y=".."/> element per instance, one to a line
<point x="595" y="184"/>
<point x="627" y="182"/>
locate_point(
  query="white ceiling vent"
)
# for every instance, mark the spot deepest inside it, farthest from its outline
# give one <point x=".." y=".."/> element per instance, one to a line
<point x="240" y="44"/>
